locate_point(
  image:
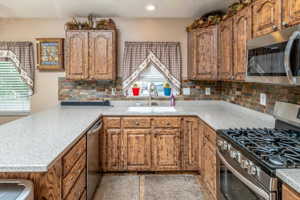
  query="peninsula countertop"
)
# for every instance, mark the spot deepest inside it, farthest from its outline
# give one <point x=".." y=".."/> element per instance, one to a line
<point x="34" y="143"/>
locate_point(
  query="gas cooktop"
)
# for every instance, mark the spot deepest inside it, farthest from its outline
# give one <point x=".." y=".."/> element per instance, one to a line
<point x="273" y="148"/>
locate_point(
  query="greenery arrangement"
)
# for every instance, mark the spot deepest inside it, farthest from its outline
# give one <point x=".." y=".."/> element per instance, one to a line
<point x="91" y="24"/>
<point x="215" y="17"/>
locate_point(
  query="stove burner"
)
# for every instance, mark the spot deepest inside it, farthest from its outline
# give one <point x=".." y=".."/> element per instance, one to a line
<point x="275" y="148"/>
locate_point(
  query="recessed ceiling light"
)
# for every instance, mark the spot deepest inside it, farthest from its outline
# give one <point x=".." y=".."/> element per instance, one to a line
<point x="150" y="7"/>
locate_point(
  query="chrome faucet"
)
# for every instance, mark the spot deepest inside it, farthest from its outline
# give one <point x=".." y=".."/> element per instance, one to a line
<point x="152" y="90"/>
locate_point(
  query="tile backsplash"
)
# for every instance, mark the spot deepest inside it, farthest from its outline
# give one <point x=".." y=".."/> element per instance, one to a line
<point x="244" y="94"/>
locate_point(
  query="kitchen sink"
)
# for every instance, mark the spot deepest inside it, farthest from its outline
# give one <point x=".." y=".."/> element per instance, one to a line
<point x="143" y="109"/>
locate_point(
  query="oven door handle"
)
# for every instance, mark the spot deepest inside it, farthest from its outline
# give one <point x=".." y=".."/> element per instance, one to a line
<point x="252" y="186"/>
<point x="287" y="56"/>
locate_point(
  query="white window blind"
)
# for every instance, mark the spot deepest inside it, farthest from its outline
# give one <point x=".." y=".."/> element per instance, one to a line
<point x="14" y="93"/>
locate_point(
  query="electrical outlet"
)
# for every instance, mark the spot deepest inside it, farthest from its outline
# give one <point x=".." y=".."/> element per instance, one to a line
<point x="186" y="91"/>
<point x="207" y="91"/>
<point x="263" y="99"/>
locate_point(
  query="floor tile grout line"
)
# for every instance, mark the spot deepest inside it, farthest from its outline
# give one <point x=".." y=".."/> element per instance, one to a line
<point x="142" y="187"/>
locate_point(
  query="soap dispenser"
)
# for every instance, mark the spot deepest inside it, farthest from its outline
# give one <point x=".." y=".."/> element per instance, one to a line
<point x="172" y="100"/>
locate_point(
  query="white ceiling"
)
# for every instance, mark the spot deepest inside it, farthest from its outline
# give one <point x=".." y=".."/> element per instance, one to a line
<point x="108" y="8"/>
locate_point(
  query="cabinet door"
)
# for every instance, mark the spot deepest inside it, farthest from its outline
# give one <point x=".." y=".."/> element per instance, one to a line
<point x="76" y="55"/>
<point x="266" y="17"/>
<point x="166" y="149"/>
<point x="113" y="149"/>
<point x="291" y="12"/>
<point x="226" y="50"/>
<point x="210" y="167"/>
<point x="204" y="54"/>
<point x="102" y="51"/>
<point x="289" y="194"/>
<point x="242" y="33"/>
<point x="137" y="149"/>
<point x="190" y="144"/>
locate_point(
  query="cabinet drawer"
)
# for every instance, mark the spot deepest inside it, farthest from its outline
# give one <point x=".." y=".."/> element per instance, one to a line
<point x="71" y="178"/>
<point x="112" y="122"/>
<point x="73" y="155"/>
<point x="134" y="122"/>
<point x="166" y="122"/>
<point x="78" y="188"/>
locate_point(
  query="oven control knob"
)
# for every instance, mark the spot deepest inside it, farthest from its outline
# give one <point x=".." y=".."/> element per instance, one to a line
<point x="246" y="164"/>
<point x="253" y="170"/>
<point x="238" y="157"/>
<point x="233" y="154"/>
<point x="220" y="143"/>
<point x="225" y="146"/>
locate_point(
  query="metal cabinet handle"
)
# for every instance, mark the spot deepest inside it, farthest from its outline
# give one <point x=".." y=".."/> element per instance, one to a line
<point x="287" y="55"/>
<point x="285" y="24"/>
<point x="275" y="28"/>
<point x="168" y="124"/>
<point x="137" y="123"/>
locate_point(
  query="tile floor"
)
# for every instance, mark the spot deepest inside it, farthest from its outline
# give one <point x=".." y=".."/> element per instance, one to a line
<point x="150" y="187"/>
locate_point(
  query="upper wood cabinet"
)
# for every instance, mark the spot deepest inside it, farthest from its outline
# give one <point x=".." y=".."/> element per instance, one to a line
<point x="203" y="53"/>
<point x="226" y="50"/>
<point x="77" y="55"/>
<point x="242" y="32"/>
<point x="291" y="12"/>
<point x="266" y="16"/>
<point x="91" y="55"/>
<point x="289" y="194"/>
<point x="137" y="149"/>
<point x="190" y="143"/>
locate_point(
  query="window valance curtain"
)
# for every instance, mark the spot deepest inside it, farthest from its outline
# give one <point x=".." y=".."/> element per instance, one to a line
<point x="22" y="55"/>
<point x="166" y="56"/>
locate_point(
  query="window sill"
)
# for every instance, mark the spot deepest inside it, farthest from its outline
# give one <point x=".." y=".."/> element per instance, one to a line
<point x="12" y="114"/>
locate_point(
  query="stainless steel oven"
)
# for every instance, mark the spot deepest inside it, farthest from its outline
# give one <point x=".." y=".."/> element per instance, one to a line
<point x="275" y="58"/>
<point x="239" y="178"/>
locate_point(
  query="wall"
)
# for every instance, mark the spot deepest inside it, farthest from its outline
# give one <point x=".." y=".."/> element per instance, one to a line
<point x="46" y="83"/>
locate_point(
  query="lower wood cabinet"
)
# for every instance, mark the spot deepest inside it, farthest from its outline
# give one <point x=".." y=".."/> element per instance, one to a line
<point x="166" y="149"/>
<point x="137" y="149"/>
<point x="150" y="144"/>
<point x="289" y="194"/>
<point x="113" y="149"/>
<point x="209" y="165"/>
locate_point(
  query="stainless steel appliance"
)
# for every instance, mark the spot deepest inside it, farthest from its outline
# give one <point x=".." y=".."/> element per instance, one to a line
<point x="275" y="58"/>
<point x="12" y="189"/>
<point x="249" y="158"/>
<point x="93" y="159"/>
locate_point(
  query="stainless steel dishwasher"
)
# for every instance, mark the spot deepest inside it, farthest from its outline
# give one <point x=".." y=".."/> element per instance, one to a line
<point x="11" y="189"/>
<point x="93" y="159"/>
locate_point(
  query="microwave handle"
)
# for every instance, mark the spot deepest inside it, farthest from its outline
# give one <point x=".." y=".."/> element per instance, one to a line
<point x="287" y="56"/>
<point x="252" y="186"/>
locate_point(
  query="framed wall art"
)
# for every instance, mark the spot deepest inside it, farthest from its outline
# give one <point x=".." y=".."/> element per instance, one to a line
<point x="50" y="54"/>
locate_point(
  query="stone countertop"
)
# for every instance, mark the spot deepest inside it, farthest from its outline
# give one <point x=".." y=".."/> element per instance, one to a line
<point x="34" y="143"/>
<point x="291" y="177"/>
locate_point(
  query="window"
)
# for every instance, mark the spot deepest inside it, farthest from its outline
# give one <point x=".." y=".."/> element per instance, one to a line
<point x="148" y="76"/>
<point x="14" y="93"/>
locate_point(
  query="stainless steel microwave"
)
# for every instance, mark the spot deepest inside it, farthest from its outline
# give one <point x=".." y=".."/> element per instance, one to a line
<point x="275" y="58"/>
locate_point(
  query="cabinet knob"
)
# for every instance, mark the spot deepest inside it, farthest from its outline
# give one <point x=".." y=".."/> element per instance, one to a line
<point x="137" y="123"/>
<point x="275" y="28"/>
<point x="285" y="24"/>
<point x="168" y="124"/>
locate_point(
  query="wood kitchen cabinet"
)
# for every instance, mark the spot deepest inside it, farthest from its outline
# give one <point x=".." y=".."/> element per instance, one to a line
<point x="166" y="149"/>
<point x="209" y="160"/>
<point x="226" y="50"/>
<point x="191" y="145"/>
<point x="266" y="16"/>
<point x="203" y="53"/>
<point x="137" y="149"/>
<point x="90" y="55"/>
<point x="289" y="194"/>
<point x="242" y="32"/>
<point x="291" y="12"/>
<point x="76" y="55"/>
